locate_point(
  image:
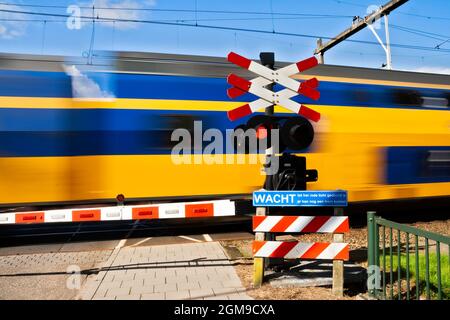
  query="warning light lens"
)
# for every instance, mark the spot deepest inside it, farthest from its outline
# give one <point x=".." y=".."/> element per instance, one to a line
<point x="261" y="132"/>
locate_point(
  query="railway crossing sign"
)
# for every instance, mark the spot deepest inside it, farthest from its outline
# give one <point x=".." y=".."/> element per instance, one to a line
<point x="267" y="97"/>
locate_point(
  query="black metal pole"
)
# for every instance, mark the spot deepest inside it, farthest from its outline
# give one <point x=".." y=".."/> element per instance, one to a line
<point x="268" y="60"/>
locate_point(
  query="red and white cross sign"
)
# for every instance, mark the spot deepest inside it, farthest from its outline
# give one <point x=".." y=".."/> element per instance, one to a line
<point x="267" y="76"/>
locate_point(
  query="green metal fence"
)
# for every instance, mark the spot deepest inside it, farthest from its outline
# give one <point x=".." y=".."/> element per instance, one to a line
<point x="406" y="262"/>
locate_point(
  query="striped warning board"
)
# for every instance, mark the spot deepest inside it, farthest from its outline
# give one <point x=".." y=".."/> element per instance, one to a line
<point x="301" y="250"/>
<point x="293" y="224"/>
<point x="217" y="208"/>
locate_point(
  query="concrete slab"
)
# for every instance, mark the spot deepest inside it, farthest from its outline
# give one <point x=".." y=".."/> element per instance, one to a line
<point x="157" y="241"/>
<point x="47" y="276"/>
<point x="43" y="248"/>
<point x="188" y="238"/>
<point x="89" y="245"/>
<point x="175" y="271"/>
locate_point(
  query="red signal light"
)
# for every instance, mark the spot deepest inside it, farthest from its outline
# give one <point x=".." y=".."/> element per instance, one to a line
<point x="261" y="132"/>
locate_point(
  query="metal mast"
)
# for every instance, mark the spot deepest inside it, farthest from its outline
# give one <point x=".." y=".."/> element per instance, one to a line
<point x="358" y="25"/>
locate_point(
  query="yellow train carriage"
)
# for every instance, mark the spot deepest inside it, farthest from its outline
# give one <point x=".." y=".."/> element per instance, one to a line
<point x="382" y="135"/>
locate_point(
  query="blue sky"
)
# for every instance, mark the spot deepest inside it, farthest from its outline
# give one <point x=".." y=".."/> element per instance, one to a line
<point x="55" y="38"/>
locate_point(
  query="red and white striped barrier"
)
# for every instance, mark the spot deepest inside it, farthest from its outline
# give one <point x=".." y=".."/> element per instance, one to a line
<point x="300" y="250"/>
<point x="217" y="208"/>
<point x="294" y="224"/>
<point x="267" y="76"/>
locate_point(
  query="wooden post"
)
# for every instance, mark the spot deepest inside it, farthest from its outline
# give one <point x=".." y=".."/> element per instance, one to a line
<point x="259" y="263"/>
<point x="338" y="265"/>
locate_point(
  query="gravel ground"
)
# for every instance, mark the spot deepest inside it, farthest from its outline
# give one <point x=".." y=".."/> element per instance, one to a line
<point x="357" y="238"/>
<point x="267" y="292"/>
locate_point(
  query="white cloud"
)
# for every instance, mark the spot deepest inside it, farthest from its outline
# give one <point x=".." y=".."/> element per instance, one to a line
<point x="427" y="69"/>
<point x="12" y="29"/>
<point x="84" y="87"/>
<point x="117" y="14"/>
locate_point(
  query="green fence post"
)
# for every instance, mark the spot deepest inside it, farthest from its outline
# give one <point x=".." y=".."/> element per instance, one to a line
<point x="371" y="249"/>
<point x="377" y="247"/>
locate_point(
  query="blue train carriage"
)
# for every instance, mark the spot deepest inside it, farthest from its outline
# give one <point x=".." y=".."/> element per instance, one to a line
<point x="71" y="133"/>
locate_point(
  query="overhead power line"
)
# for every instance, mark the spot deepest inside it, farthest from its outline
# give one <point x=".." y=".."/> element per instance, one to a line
<point x="402" y="28"/>
<point x="400" y="12"/>
<point x="179" y="10"/>
<point x="105" y="19"/>
<point x="223" y="11"/>
<point x="423" y="16"/>
<point x="417" y="32"/>
<point x="183" y="20"/>
<point x="438" y="46"/>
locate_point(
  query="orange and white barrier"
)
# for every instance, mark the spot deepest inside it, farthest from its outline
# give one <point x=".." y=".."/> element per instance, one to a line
<point x="300" y="250"/>
<point x="217" y="208"/>
<point x="294" y="224"/>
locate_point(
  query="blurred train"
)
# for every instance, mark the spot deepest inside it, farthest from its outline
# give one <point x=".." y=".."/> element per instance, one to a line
<point x="72" y="132"/>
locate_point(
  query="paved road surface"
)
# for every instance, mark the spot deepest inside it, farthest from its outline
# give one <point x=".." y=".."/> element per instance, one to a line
<point x="185" y="271"/>
<point x="41" y="271"/>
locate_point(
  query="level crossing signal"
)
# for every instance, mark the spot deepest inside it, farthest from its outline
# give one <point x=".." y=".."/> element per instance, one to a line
<point x="296" y="133"/>
<point x="267" y="97"/>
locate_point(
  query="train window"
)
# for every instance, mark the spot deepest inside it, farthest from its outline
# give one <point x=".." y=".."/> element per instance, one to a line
<point x="436" y="163"/>
<point x="434" y="102"/>
<point x="167" y="124"/>
<point x="439" y="157"/>
<point x="447" y="96"/>
<point x="406" y="97"/>
<point x="413" y="164"/>
<point x="361" y="95"/>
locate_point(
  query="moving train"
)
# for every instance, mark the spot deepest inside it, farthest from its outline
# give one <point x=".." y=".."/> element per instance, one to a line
<point x="73" y="132"/>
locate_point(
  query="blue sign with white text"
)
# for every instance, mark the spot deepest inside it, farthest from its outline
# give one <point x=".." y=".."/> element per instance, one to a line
<point x="333" y="198"/>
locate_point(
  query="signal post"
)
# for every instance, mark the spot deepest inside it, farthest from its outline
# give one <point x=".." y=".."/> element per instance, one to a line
<point x="259" y="264"/>
<point x="296" y="134"/>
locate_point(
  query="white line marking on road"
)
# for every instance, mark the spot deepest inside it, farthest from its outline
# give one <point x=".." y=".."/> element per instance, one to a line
<point x="121" y="243"/>
<point x="140" y="242"/>
<point x="207" y="237"/>
<point x="189" y="238"/>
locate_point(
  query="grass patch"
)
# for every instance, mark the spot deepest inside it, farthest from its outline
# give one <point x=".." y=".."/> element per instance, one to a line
<point x="433" y="276"/>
